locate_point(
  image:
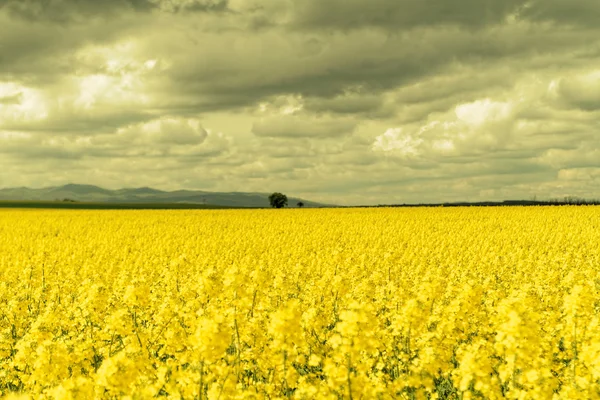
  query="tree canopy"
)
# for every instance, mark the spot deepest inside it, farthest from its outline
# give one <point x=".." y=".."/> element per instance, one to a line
<point x="278" y="200"/>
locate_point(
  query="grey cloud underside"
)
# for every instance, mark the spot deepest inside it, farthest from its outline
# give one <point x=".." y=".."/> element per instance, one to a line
<point x="385" y="62"/>
<point x="72" y="124"/>
<point x="111" y="149"/>
<point x="294" y="127"/>
<point x="350" y="104"/>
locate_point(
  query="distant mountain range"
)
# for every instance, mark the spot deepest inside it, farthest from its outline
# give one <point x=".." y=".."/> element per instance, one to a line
<point x="143" y="195"/>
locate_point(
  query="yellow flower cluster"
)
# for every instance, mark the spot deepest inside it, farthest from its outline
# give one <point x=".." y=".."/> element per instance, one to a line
<point x="419" y="303"/>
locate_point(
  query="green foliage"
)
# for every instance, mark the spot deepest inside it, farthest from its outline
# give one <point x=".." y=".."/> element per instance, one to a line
<point x="278" y="200"/>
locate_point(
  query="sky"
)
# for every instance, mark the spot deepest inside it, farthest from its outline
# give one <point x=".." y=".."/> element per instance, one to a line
<point x="340" y="101"/>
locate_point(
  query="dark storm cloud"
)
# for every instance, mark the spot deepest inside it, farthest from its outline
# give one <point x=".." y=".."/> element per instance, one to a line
<point x="67" y="11"/>
<point x="39" y="53"/>
<point x="216" y="6"/>
<point x="72" y="10"/>
<point x="393" y="15"/>
<point x="401" y="14"/>
<point x="368" y="59"/>
<point x="571" y="12"/>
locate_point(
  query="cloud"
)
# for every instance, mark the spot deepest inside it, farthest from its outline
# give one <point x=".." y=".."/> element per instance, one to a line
<point x="582" y="91"/>
<point x="299" y="126"/>
<point x="20" y="103"/>
<point x="67" y="10"/>
<point x="39" y="53"/>
<point x="402" y="14"/>
<point x="580" y="174"/>
<point x="191" y="5"/>
<point x="571" y="12"/>
<point x="482" y="112"/>
<point x="350" y="103"/>
<point x="182" y="139"/>
<point x="476" y="127"/>
<point x="395" y="139"/>
<point x="164" y="131"/>
<point x="11" y="99"/>
<point x="165" y="138"/>
<point x="74" y="11"/>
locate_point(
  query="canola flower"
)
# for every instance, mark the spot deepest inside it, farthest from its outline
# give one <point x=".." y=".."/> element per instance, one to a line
<point x="420" y="303"/>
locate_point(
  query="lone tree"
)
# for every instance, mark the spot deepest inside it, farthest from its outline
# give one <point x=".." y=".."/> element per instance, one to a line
<point x="278" y="200"/>
<point x="300" y="204"/>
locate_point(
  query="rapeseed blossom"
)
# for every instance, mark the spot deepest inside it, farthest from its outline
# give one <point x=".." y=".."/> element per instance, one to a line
<point x="420" y="303"/>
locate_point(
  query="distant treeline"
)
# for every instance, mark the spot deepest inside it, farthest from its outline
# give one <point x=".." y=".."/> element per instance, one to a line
<point x="73" y="204"/>
<point x="553" y="202"/>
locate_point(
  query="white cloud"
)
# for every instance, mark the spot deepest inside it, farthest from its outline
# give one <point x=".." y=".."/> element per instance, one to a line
<point x="19" y="103"/>
<point x="479" y="126"/>
<point x="480" y="112"/>
<point x="398" y="141"/>
<point x="283" y="105"/>
<point x="443" y="146"/>
<point x="176" y="131"/>
<point x="102" y="90"/>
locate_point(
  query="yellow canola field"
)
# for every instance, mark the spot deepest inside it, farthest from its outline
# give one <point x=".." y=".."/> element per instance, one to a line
<point x="419" y="303"/>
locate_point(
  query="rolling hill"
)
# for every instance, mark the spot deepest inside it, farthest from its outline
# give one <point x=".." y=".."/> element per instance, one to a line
<point x="142" y="195"/>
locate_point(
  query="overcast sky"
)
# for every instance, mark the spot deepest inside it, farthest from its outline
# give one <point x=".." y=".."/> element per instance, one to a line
<point x="343" y="101"/>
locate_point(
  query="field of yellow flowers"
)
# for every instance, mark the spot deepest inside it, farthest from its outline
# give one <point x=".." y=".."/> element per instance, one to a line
<point x="419" y="303"/>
